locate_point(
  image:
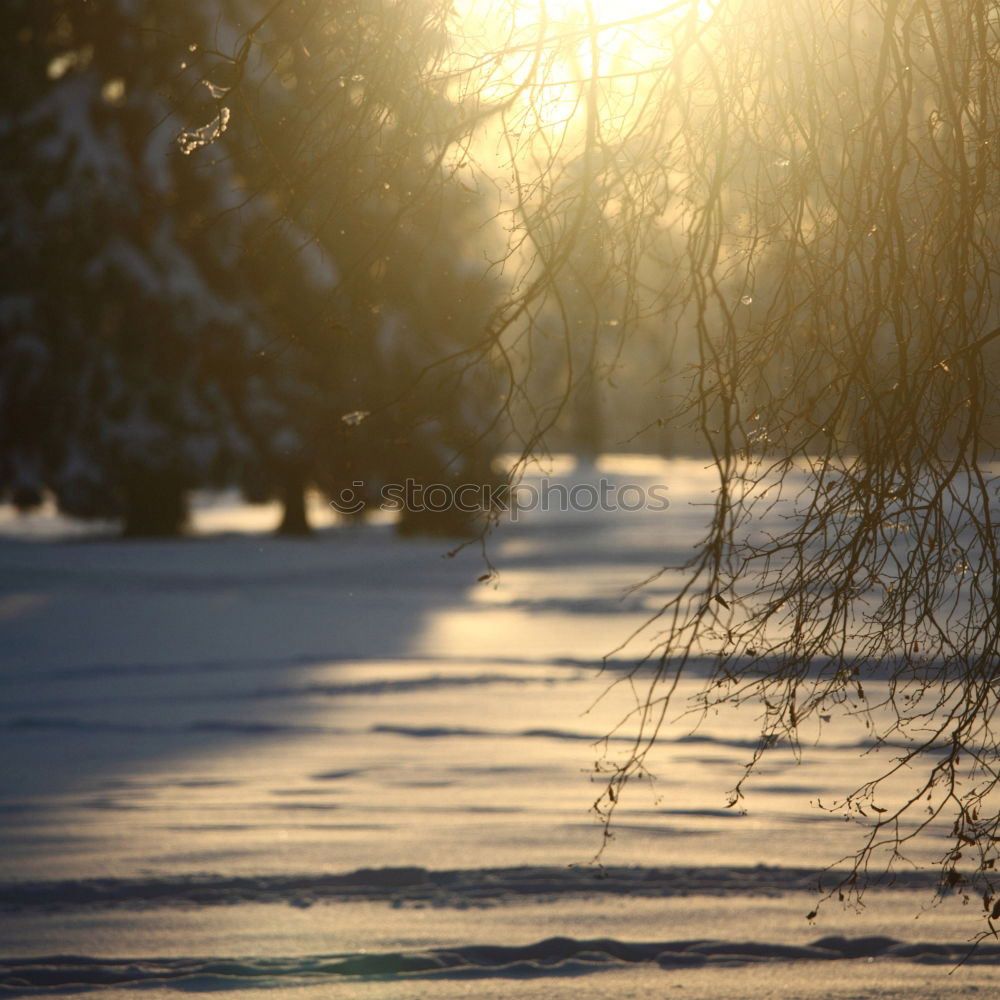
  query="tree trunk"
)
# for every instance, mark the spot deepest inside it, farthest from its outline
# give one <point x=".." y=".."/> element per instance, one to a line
<point x="294" y="520"/>
<point x="154" y="504"/>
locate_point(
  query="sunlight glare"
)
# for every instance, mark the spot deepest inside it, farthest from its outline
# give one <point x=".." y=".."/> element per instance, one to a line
<point x="541" y="53"/>
<point x="617" y="11"/>
<point x="604" y="12"/>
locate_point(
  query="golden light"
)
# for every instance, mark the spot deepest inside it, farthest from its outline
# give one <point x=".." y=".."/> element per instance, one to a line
<point x="540" y="56"/>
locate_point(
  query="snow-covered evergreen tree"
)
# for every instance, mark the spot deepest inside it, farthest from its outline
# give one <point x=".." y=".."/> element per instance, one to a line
<point x="126" y="328"/>
<point x="220" y="218"/>
<point x="350" y="116"/>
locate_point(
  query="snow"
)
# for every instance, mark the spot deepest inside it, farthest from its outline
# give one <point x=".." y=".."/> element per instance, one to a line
<point x="343" y="767"/>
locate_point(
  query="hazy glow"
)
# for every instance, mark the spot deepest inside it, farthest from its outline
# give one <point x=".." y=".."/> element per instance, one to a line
<point x="543" y="56"/>
<point x="567" y="12"/>
<point x="618" y="11"/>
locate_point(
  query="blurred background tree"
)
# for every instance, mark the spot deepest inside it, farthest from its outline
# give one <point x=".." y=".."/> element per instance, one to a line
<point x="183" y="314"/>
<point x="345" y="122"/>
<point x="126" y="321"/>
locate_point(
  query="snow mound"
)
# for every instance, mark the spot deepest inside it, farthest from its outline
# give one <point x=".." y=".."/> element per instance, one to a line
<point x="408" y="885"/>
<point x="557" y="956"/>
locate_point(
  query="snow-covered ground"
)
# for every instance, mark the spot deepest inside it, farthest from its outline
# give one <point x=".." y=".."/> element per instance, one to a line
<point x="344" y="767"/>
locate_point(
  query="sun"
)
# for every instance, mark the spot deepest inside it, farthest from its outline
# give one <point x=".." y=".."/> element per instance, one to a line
<point x="541" y="54"/>
<point x="609" y="12"/>
<point x="512" y="20"/>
